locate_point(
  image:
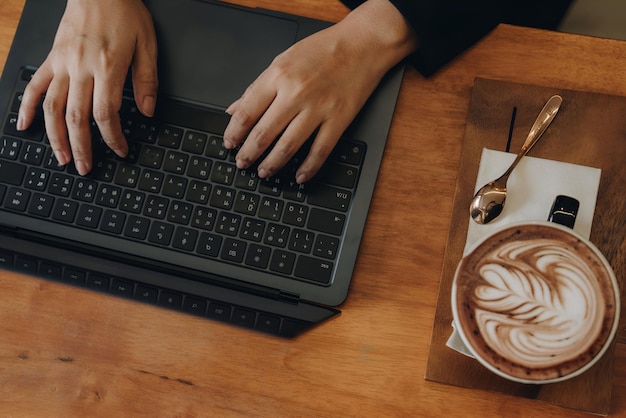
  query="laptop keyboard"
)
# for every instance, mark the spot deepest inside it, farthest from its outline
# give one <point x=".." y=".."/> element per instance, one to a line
<point x="179" y="188"/>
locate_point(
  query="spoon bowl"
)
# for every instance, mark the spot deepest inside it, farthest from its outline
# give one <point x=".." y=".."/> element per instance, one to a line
<point x="488" y="201"/>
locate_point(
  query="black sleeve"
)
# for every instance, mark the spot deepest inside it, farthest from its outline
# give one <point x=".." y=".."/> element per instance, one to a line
<point x="445" y="28"/>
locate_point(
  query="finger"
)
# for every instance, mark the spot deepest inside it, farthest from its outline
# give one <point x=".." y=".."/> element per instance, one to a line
<point x="299" y="130"/>
<point x="107" y="100"/>
<point x="270" y="125"/>
<point x="77" y="119"/>
<point x="327" y="137"/>
<point x="33" y="94"/>
<point x="54" y="117"/>
<point x="246" y="112"/>
<point x="144" y="73"/>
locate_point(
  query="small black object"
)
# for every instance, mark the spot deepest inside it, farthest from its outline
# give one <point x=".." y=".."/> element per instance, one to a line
<point x="564" y="211"/>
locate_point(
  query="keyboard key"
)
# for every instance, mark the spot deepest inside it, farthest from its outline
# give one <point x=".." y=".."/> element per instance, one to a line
<point x="271" y="209"/>
<point x="349" y="152"/>
<point x="258" y="256"/>
<point x="301" y="241"/>
<point x="37" y="179"/>
<point x="108" y="196"/>
<point x="10" y="148"/>
<point x="282" y="262"/>
<point x="330" y="197"/>
<point x="175" y="186"/>
<point x="252" y="229"/>
<point x="175" y="162"/>
<point x="33" y="153"/>
<point x="209" y="244"/>
<point x="112" y="222"/>
<point x="204" y="218"/>
<point x="89" y="216"/>
<point x="233" y="250"/>
<point x="326" y="247"/>
<point x="199" y="168"/>
<point x="194" y="142"/>
<point x="295" y="214"/>
<point x="185" y="239"/>
<point x="6" y="259"/>
<point x="338" y="175"/>
<point x="137" y="227"/>
<point x="276" y="235"/>
<point x="268" y="323"/>
<point x="223" y="173"/>
<point x="60" y="184"/>
<point x="34" y="132"/>
<point x="161" y="233"/>
<point x="215" y="149"/>
<point x="219" y="311"/>
<point x="11" y="173"/>
<point x="151" y="157"/>
<point x="98" y="281"/>
<point x="74" y="276"/>
<point x="326" y="221"/>
<point x="17" y="199"/>
<point x="146" y="293"/>
<point x="156" y="207"/>
<point x="123" y="288"/>
<point x="243" y="317"/>
<point x="170" y="137"/>
<point x="198" y="192"/>
<point x="41" y="205"/>
<point x="151" y="181"/>
<point x="170" y="299"/>
<point x="50" y="270"/>
<point x="84" y="190"/>
<point x="195" y="306"/>
<point x="314" y="269"/>
<point x="65" y="210"/>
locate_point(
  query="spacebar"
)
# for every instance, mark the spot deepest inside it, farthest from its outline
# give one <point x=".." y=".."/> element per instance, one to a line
<point x="11" y="173"/>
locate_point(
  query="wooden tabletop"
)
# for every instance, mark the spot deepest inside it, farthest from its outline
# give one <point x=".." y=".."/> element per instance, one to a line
<point x="71" y="352"/>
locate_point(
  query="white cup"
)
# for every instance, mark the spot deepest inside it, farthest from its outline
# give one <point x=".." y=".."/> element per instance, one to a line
<point x="535" y="302"/>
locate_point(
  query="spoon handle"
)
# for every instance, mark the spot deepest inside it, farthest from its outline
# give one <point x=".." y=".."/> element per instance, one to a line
<point x="542" y="122"/>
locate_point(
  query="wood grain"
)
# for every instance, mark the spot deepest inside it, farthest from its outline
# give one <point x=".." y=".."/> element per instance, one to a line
<point x="70" y="352"/>
<point x="589" y="132"/>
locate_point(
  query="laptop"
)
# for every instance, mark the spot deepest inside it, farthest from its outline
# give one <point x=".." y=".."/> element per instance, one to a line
<point x="175" y="224"/>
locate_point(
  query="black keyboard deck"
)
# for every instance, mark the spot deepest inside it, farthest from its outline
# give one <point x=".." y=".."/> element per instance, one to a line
<point x="179" y="188"/>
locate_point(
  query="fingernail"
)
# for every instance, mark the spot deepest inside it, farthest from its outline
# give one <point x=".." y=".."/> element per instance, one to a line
<point x="228" y="145"/>
<point x="20" y="123"/>
<point x="81" y="167"/>
<point x="301" y="178"/>
<point x="262" y="173"/>
<point x="148" y="105"/>
<point x="122" y="153"/>
<point x="62" y="157"/>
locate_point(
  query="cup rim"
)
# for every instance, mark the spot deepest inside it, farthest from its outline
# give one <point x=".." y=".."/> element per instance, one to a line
<point x="579" y="371"/>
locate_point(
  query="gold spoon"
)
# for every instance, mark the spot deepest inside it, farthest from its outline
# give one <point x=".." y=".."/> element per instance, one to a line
<point x="489" y="200"/>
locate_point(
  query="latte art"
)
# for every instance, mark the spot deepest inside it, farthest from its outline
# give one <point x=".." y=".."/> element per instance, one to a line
<point x="535" y="303"/>
<point x="539" y="303"/>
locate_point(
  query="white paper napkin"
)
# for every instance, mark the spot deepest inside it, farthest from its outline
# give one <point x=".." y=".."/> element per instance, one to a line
<point x="531" y="190"/>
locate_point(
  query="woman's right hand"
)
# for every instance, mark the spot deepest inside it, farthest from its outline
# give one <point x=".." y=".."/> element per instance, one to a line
<point x="84" y="74"/>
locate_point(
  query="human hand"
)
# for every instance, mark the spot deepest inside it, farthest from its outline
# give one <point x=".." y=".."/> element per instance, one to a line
<point x="84" y="74"/>
<point x="317" y="86"/>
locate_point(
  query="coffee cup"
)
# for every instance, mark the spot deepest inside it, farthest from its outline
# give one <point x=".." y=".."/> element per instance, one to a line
<point x="535" y="302"/>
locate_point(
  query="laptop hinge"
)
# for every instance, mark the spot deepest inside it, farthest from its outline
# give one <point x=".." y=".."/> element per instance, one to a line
<point x="288" y="297"/>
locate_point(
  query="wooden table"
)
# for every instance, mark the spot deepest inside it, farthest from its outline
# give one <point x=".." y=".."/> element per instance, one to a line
<point x="69" y="352"/>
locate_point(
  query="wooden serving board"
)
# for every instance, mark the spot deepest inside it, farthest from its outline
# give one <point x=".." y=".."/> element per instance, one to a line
<point x="590" y="130"/>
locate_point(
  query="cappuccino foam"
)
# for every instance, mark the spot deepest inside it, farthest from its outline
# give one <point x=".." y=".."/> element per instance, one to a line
<point x="535" y="302"/>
